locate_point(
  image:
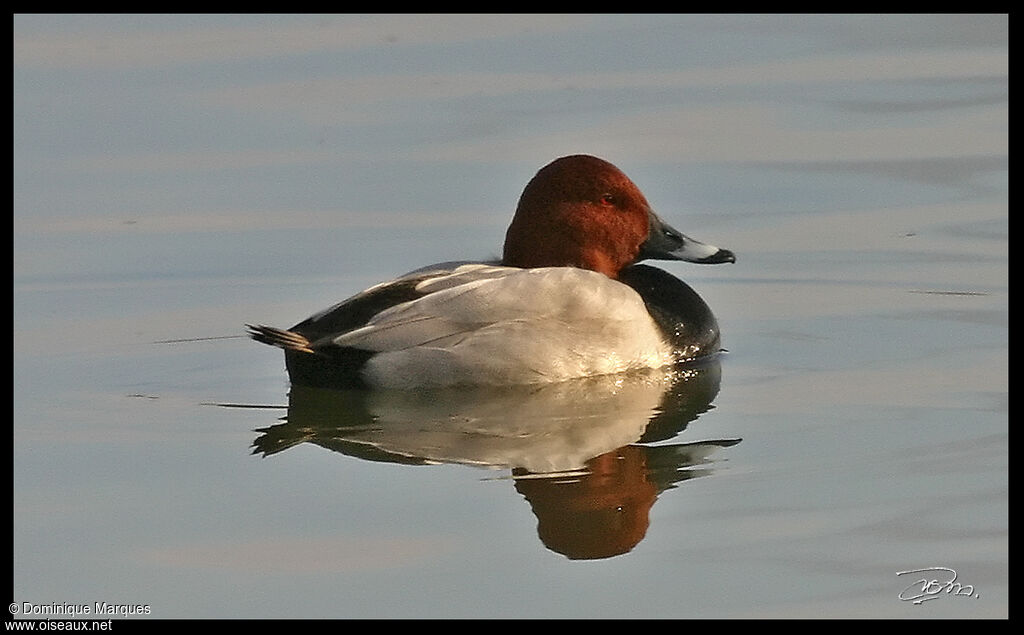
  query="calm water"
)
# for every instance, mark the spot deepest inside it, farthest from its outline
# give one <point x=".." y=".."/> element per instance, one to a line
<point x="178" y="176"/>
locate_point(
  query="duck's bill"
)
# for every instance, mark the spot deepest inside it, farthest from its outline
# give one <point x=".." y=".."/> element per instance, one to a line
<point x="664" y="242"/>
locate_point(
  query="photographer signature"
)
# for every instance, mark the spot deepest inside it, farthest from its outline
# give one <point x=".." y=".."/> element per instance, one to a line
<point x="925" y="589"/>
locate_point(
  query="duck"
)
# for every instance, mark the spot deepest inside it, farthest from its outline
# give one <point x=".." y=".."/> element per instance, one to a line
<point x="568" y="299"/>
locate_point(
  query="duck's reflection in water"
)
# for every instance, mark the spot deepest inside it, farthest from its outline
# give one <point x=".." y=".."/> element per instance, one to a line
<point x="579" y="451"/>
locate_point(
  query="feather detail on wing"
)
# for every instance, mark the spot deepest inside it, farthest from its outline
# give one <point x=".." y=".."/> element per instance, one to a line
<point x="484" y="324"/>
<point x="476" y="299"/>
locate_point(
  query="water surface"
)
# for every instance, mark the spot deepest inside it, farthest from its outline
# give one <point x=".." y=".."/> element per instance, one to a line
<point x="178" y="176"/>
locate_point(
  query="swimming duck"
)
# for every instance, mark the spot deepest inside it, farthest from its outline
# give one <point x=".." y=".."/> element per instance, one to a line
<point x="567" y="300"/>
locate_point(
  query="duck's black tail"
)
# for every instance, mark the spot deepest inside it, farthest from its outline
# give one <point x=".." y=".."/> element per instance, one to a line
<point x="288" y="340"/>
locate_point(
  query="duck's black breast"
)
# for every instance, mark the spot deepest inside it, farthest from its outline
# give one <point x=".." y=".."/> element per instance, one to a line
<point x="684" y="318"/>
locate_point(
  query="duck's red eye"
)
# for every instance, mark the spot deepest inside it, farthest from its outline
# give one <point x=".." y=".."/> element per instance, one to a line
<point x="608" y="200"/>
